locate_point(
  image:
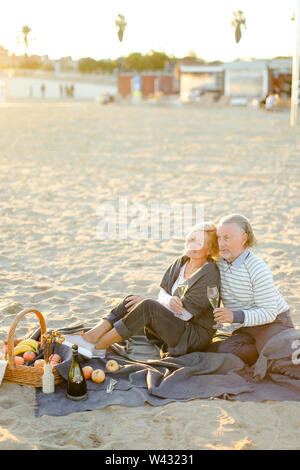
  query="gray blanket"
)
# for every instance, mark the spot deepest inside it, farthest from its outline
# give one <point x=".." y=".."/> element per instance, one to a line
<point x="196" y="375"/>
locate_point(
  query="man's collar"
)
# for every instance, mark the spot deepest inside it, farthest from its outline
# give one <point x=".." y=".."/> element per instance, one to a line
<point x="237" y="263"/>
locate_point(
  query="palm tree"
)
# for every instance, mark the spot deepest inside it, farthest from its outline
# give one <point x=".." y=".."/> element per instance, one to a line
<point x="121" y="24"/>
<point x="238" y="21"/>
<point x="25" y="31"/>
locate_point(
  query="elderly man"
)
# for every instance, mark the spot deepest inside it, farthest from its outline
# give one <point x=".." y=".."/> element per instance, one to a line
<point x="248" y="293"/>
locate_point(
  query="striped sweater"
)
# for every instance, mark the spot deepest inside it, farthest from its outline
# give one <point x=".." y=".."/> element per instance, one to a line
<point x="248" y="289"/>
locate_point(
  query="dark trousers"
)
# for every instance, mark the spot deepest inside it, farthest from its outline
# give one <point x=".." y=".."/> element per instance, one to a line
<point x="151" y="317"/>
<point x="248" y="342"/>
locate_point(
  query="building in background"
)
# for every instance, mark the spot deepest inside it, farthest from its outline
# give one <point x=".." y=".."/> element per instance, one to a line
<point x="246" y="79"/>
<point x="68" y="64"/>
<point x="240" y="79"/>
<point x="196" y="79"/>
<point x="280" y="76"/>
<point x="151" y="83"/>
<point x="4" y="57"/>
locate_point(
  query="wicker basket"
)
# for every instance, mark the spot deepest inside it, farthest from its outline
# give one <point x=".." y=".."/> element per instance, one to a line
<point x="25" y="375"/>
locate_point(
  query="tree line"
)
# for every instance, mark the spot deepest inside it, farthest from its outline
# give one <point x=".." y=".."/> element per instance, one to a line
<point x="136" y="61"/>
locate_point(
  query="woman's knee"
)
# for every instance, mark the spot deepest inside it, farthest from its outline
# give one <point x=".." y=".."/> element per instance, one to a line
<point x="150" y="306"/>
<point x="148" y="302"/>
<point x="148" y="309"/>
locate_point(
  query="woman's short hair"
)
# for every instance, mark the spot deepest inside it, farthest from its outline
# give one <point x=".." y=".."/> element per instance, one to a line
<point x="211" y="231"/>
<point x="244" y="225"/>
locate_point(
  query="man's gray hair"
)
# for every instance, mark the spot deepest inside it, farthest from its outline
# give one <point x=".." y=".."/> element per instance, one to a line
<point x="243" y="223"/>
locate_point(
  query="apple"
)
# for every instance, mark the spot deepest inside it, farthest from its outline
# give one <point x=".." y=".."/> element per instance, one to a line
<point x="112" y="366"/>
<point x="5" y="349"/>
<point x="98" y="376"/>
<point x="55" y="358"/>
<point x="87" y="372"/>
<point x="29" y="356"/>
<point x="19" y="360"/>
<point x="39" y="363"/>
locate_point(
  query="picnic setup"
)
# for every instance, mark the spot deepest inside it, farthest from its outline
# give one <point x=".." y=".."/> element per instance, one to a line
<point x="133" y="373"/>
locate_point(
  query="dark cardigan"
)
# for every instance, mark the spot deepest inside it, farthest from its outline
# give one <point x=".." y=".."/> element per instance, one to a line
<point x="195" y="299"/>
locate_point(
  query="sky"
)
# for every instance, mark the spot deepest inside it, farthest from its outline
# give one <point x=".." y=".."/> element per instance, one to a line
<point x="87" y="28"/>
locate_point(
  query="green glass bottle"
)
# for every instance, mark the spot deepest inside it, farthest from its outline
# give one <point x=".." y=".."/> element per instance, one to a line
<point x="76" y="387"/>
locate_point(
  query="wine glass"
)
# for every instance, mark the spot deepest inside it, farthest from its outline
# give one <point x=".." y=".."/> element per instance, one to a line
<point x="182" y="288"/>
<point x="214" y="297"/>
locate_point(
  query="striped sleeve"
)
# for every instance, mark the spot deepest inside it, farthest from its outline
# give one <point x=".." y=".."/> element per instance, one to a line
<point x="264" y="290"/>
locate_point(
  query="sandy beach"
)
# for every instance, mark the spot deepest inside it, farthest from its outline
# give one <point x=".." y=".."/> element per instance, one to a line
<point x="59" y="163"/>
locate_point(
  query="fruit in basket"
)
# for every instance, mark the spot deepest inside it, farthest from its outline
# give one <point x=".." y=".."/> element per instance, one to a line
<point x="5" y="349"/>
<point x="30" y="342"/>
<point x="21" y="348"/>
<point x="87" y="372"/>
<point x="39" y="363"/>
<point x="112" y="366"/>
<point x="19" y="360"/>
<point x="29" y="356"/>
<point x="55" y="358"/>
<point x="98" y="376"/>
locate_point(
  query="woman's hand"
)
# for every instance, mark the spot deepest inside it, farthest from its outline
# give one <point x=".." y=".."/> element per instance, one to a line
<point x="176" y="304"/>
<point x="132" y="300"/>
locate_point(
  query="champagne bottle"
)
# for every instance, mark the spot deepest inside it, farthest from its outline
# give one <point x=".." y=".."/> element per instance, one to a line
<point x="76" y="388"/>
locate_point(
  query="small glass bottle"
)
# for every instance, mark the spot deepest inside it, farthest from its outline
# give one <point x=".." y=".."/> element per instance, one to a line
<point x="76" y="387"/>
<point x="48" y="379"/>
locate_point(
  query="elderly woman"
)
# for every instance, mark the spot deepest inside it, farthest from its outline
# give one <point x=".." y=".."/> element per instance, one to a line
<point x="181" y="325"/>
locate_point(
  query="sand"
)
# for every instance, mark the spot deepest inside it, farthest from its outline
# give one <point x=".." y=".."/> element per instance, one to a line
<point x="59" y="163"/>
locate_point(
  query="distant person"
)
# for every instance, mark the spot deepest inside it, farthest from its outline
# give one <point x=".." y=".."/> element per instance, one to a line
<point x="272" y="100"/>
<point x="262" y="101"/>
<point x="72" y="89"/>
<point x="43" y="90"/>
<point x="61" y="90"/>
<point x="67" y="91"/>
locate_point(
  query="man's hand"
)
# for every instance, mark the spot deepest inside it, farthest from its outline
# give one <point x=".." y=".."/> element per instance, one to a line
<point x="132" y="300"/>
<point x="176" y="304"/>
<point x="223" y="315"/>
